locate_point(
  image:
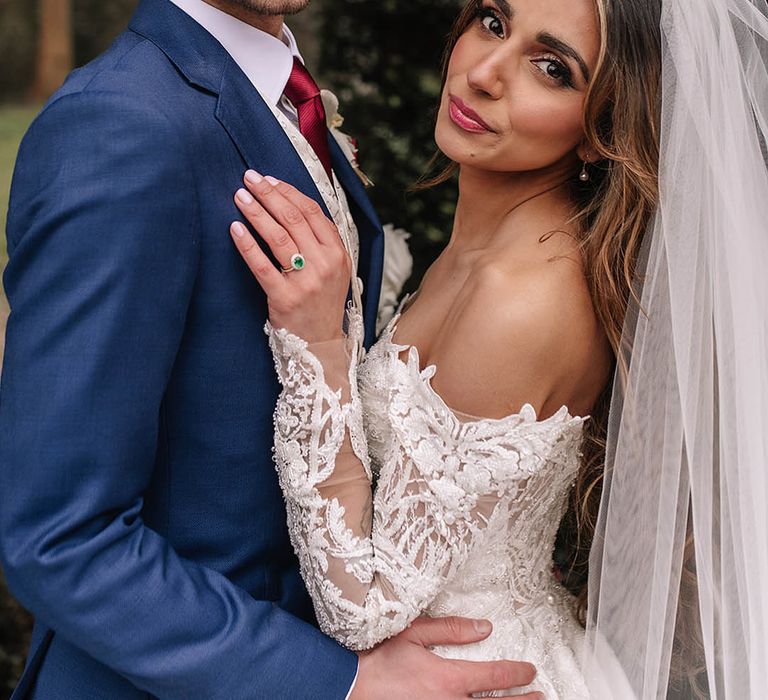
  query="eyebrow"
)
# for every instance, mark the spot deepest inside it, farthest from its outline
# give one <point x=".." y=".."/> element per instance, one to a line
<point x="558" y="45"/>
<point x="506" y="8"/>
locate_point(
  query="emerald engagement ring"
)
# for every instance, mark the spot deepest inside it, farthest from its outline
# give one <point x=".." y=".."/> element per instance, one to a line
<point x="297" y="263"/>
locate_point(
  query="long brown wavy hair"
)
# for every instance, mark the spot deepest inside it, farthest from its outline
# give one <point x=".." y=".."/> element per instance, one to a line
<point x="612" y="211"/>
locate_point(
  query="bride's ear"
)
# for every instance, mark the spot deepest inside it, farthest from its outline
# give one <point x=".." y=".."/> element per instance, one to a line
<point x="586" y="153"/>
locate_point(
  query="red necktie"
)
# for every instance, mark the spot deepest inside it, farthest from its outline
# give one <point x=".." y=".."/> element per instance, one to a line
<point x="303" y="92"/>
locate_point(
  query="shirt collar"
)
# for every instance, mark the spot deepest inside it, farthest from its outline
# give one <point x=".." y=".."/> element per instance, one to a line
<point x="266" y="60"/>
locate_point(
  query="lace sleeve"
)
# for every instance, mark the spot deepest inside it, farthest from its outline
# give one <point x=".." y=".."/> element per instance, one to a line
<point x="371" y="565"/>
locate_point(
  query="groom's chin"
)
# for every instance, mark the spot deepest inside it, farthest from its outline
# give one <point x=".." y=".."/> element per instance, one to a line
<point x="272" y="7"/>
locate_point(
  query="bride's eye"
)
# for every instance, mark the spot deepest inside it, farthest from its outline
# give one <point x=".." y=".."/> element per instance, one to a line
<point x="491" y="21"/>
<point x="555" y="70"/>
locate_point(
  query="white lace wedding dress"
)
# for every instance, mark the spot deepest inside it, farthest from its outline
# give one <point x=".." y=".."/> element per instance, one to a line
<point x="464" y="514"/>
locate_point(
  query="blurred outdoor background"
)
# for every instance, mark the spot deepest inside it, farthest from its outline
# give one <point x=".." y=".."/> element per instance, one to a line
<point x="382" y="60"/>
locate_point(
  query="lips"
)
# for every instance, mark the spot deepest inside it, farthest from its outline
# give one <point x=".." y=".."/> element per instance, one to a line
<point x="465" y="117"/>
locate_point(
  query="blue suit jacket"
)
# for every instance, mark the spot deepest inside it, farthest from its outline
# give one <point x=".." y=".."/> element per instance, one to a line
<point x="140" y="515"/>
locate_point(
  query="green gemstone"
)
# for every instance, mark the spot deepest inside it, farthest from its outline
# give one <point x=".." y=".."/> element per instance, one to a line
<point x="298" y="262"/>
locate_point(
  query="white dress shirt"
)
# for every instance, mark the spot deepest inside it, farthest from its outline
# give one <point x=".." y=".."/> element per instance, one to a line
<point x="267" y="62"/>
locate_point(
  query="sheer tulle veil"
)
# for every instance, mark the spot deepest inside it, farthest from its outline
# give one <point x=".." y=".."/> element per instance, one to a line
<point x="678" y="590"/>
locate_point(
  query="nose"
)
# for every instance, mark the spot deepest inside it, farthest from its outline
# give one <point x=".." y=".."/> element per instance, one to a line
<point x="486" y="76"/>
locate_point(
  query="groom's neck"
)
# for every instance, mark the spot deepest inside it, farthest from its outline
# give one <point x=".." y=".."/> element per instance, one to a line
<point x="272" y="24"/>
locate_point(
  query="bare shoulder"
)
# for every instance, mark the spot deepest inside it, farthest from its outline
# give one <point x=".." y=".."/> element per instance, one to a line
<point x="527" y="332"/>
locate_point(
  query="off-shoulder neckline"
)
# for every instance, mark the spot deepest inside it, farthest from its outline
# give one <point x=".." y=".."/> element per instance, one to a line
<point x="527" y="412"/>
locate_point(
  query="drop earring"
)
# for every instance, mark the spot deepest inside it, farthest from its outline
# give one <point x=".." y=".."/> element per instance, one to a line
<point x="584" y="175"/>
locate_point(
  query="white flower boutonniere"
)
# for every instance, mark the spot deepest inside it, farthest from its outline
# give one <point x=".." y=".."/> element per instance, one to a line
<point x="347" y="144"/>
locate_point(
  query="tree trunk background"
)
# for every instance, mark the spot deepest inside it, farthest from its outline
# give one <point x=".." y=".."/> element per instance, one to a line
<point x="55" y="47"/>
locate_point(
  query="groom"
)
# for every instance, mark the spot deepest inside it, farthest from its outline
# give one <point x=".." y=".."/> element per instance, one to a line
<point x="141" y="519"/>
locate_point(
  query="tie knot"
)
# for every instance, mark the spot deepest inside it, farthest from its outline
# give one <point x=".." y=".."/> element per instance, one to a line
<point x="301" y="87"/>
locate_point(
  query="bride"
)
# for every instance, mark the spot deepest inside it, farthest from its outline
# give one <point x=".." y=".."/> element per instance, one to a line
<point x="482" y="412"/>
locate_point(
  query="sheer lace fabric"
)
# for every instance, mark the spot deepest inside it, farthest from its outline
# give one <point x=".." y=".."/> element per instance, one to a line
<point x="462" y="521"/>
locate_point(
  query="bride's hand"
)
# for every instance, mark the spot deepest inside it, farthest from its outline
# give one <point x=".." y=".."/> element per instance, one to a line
<point x="307" y="300"/>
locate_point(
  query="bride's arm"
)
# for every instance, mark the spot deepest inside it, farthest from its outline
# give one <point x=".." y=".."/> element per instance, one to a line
<point x="370" y="570"/>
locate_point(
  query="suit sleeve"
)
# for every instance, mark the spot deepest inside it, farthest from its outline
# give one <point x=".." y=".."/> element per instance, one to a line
<point x="103" y="253"/>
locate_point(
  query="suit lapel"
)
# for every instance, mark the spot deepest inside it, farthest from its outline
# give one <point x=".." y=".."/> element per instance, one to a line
<point x="191" y="48"/>
<point x="257" y="134"/>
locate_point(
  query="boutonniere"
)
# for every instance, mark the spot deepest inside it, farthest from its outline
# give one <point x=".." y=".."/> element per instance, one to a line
<point x="347" y="143"/>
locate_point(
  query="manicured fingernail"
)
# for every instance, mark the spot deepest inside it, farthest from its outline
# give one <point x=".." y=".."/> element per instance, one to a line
<point x="253" y="177"/>
<point x="483" y="627"/>
<point x="237" y="229"/>
<point x="272" y="181"/>
<point x="244" y="197"/>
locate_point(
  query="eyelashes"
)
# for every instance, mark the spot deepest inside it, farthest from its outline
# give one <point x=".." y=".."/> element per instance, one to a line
<point x="491" y="21"/>
<point x="561" y="74"/>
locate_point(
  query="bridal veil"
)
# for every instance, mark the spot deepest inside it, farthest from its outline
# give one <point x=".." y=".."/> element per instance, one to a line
<point x="679" y="566"/>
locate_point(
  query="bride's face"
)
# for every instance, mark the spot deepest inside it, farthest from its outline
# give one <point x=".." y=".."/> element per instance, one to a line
<point x="515" y="86"/>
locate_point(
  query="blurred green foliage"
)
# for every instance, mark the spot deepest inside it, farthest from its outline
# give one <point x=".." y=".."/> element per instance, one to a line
<point x="383" y="61"/>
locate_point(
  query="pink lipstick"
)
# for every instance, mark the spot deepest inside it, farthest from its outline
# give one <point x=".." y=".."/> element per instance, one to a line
<point x="466" y="118"/>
